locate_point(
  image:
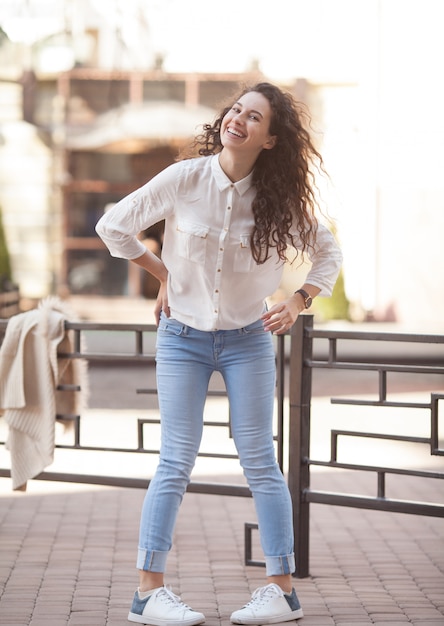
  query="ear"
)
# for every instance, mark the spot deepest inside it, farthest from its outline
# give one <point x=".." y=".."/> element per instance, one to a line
<point x="270" y="143"/>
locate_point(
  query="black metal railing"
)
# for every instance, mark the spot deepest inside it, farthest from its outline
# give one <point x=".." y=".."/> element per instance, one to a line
<point x="142" y="353"/>
<point x="9" y="303"/>
<point x="302" y="364"/>
<point x="298" y="354"/>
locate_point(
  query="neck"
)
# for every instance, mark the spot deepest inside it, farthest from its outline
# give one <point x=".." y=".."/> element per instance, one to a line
<point x="234" y="167"/>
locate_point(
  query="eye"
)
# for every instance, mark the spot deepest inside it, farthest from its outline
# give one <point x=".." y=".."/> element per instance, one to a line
<point x="253" y="116"/>
<point x="235" y="108"/>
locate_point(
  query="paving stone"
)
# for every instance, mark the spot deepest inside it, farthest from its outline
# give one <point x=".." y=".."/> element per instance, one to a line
<point x="383" y="622"/>
<point x="70" y="561"/>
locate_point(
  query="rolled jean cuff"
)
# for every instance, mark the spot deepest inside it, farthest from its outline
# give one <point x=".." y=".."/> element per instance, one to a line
<point x="151" y="560"/>
<point x="280" y="565"/>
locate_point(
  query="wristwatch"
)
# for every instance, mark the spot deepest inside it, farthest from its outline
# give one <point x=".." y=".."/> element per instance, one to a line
<point x="307" y="297"/>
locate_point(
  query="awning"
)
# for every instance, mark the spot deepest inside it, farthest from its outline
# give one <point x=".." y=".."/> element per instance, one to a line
<point x="131" y="126"/>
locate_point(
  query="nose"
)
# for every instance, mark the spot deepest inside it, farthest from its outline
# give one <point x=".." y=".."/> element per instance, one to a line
<point x="239" y="117"/>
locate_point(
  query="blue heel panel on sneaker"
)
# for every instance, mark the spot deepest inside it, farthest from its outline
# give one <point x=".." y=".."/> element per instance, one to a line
<point x="292" y="600"/>
<point x="138" y="605"/>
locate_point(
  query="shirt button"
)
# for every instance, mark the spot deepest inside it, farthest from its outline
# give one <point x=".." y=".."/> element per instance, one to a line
<point x="228" y="208"/>
<point x="221" y="249"/>
<point x="216" y="291"/>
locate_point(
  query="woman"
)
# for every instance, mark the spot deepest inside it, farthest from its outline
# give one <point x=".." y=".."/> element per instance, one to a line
<point x="230" y="215"/>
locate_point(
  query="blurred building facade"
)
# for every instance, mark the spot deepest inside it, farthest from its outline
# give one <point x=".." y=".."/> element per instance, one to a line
<point x="78" y="136"/>
<point x="88" y="113"/>
<point x="76" y="141"/>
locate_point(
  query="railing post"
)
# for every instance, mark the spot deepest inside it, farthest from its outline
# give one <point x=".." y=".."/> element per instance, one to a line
<point x="301" y="349"/>
<point x="280" y="398"/>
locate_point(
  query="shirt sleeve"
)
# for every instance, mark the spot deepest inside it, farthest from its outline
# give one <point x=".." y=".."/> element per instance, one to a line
<point x="120" y="226"/>
<point x="326" y="260"/>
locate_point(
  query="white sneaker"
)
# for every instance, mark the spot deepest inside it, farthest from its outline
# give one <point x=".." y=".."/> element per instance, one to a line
<point x="163" y="608"/>
<point x="269" y="605"/>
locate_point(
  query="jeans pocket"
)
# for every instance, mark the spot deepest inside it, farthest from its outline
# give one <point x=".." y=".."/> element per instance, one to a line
<point x="255" y="328"/>
<point x="169" y="326"/>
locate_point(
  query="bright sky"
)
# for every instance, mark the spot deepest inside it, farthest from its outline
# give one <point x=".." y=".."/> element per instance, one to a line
<point x="290" y="38"/>
<point x="322" y="40"/>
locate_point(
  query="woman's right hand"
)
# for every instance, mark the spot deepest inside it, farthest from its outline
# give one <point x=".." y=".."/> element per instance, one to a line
<point x="162" y="302"/>
<point x="155" y="266"/>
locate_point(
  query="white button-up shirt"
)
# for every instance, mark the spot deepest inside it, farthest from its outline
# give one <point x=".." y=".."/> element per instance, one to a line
<point x="213" y="281"/>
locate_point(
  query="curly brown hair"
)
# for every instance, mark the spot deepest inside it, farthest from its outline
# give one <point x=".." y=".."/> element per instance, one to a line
<point x="283" y="176"/>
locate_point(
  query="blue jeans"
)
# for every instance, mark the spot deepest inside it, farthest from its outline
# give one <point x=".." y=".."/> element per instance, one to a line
<point x="186" y="359"/>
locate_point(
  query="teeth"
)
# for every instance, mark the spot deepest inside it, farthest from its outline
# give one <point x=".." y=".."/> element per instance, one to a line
<point x="235" y="132"/>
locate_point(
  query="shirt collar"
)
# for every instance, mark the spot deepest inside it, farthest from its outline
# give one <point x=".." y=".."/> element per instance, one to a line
<point x="223" y="182"/>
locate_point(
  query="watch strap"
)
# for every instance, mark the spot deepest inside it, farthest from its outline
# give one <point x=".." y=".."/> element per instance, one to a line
<point x="307" y="298"/>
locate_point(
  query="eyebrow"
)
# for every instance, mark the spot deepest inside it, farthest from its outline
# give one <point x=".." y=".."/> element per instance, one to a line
<point x="251" y="111"/>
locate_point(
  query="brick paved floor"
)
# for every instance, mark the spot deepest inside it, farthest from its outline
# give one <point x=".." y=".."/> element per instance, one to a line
<point x="67" y="558"/>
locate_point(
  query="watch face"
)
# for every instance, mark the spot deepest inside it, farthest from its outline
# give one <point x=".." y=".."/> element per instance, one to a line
<point x="307" y="298"/>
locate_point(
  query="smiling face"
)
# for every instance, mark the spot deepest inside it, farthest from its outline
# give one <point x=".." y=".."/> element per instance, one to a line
<point x="246" y="126"/>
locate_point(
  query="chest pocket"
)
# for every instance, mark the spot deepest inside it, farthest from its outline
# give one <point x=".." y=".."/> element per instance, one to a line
<point x="243" y="260"/>
<point x="192" y="241"/>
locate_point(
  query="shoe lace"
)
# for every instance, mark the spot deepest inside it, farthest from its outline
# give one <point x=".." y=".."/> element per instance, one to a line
<point x="168" y="597"/>
<point x="263" y="594"/>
